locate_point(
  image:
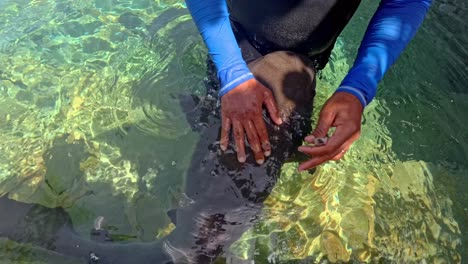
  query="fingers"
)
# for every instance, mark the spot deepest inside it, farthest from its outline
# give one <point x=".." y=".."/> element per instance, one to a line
<point x="342" y="111"/>
<point x="257" y="137"/>
<point x="314" y="162"/>
<point x="225" y="127"/>
<point x="239" y="140"/>
<point x="243" y="115"/>
<point x="316" y="141"/>
<point x="271" y="107"/>
<point x="324" y="123"/>
<point x="263" y="135"/>
<point x="331" y="151"/>
<point x="336" y="141"/>
<point x="252" y="137"/>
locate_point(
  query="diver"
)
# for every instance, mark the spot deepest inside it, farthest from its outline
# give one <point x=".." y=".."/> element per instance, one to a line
<point x="237" y="32"/>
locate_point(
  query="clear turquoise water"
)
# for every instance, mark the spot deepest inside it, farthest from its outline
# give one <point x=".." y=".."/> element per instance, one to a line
<point x="90" y="122"/>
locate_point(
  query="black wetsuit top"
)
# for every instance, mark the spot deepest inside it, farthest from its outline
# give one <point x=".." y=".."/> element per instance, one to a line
<point x="308" y="27"/>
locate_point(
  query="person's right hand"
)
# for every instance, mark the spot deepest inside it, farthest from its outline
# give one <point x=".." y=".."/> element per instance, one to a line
<point x="241" y="109"/>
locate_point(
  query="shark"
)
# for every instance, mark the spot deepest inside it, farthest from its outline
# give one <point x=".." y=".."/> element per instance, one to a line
<point x="223" y="198"/>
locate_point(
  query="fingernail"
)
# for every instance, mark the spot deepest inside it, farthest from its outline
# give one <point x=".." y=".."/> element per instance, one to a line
<point x="309" y="138"/>
<point x="241" y="159"/>
<point x="280" y="121"/>
<point x="223" y="147"/>
<point x="260" y="161"/>
<point x="267" y="153"/>
<point x="301" y="149"/>
<point x="300" y="170"/>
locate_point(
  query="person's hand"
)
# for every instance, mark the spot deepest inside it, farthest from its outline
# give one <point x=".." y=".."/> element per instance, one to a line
<point x="241" y="109"/>
<point x="343" y="111"/>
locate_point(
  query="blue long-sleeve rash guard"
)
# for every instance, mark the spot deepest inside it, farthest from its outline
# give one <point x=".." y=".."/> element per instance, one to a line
<point x="392" y="27"/>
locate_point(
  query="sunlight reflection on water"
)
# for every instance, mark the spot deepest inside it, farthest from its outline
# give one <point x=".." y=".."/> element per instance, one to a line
<point x="99" y="83"/>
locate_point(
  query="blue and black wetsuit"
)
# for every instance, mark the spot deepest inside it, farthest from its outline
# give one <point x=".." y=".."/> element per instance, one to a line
<point x="308" y="27"/>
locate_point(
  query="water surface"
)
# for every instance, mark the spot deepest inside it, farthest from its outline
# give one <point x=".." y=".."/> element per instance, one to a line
<point x="90" y="121"/>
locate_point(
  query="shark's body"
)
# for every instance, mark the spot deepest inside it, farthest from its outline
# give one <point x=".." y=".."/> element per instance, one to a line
<point x="224" y="197"/>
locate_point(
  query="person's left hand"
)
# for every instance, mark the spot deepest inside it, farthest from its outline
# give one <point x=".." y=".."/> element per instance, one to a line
<point x="343" y="111"/>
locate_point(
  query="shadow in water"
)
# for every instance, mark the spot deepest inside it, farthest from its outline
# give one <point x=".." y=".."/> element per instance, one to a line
<point x="223" y="198"/>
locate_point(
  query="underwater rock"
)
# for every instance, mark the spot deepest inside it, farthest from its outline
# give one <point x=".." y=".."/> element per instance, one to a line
<point x="25" y="96"/>
<point x="94" y="44"/>
<point x="130" y="21"/>
<point x="105" y="5"/>
<point x="165" y="18"/>
<point x="62" y="161"/>
<point x="148" y="212"/>
<point x="333" y="247"/>
<point x="75" y="29"/>
<point x="9" y="253"/>
<point x="64" y="181"/>
<point x="410" y="216"/>
<point x="11" y="110"/>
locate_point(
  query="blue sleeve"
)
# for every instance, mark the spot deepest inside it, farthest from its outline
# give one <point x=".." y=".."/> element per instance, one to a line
<point x="394" y="24"/>
<point x="212" y="20"/>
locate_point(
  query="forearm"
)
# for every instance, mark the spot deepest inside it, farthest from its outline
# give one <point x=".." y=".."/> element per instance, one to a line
<point x="393" y="26"/>
<point x="212" y="20"/>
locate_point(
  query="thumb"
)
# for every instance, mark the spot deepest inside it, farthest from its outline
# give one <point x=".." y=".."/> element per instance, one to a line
<point x="324" y="123"/>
